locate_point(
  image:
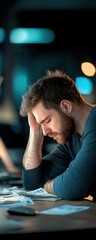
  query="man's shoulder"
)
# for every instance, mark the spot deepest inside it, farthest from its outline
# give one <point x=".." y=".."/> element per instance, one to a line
<point x="91" y="120"/>
<point x="92" y="114"/>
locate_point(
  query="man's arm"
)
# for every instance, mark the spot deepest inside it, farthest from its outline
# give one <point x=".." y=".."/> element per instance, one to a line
<point x="33" y="154"/>
<point x="48" y="187"/>
<point x="51" y="166"/>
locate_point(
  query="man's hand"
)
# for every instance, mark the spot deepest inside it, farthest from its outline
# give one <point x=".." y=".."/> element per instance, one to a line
<point x="48" y="187"/>
<point x="33" y="154"/>
<point x="32" y="121"/>
<point x="36" y="131"/>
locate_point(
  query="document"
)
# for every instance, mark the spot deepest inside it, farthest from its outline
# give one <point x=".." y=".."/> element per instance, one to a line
<point x="64" y="210"/>
<point x="38" y="194"/>
<point x="14" y="200"/>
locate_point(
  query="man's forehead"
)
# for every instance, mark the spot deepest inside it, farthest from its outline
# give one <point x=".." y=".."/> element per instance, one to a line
<point x="41" y="113"/>
<point x="39" y="109"/>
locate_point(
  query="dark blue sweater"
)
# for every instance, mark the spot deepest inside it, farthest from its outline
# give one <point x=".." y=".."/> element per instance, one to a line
<point x="72" y="165"/>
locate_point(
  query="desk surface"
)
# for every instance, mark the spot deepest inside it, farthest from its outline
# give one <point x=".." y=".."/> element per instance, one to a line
<point x="49" y="224"/>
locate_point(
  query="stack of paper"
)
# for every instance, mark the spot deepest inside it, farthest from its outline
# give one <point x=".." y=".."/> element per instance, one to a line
<point x="14" y="200"/>
<point x="38" y="194"/>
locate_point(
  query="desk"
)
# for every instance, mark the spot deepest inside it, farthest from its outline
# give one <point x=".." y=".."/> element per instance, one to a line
<point x="49" y="225"/>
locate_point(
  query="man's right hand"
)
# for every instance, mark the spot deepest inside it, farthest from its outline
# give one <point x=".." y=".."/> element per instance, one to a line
<point x="32" y="122"/>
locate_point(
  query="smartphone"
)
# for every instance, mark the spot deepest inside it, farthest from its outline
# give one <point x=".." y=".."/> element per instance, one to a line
<point x="22" y="210"/>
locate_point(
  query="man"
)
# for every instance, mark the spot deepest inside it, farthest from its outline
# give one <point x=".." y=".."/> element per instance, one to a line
<point x="56" y="109"/>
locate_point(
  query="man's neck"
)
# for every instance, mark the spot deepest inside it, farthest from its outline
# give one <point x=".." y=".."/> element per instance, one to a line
<point x="81" y="113"/>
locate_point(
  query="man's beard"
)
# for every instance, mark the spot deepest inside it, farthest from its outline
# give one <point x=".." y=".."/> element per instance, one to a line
<point x="68" y="128"/>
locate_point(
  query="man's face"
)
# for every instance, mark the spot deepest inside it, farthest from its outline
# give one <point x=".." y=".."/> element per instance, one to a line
<point x="54" y="124"/>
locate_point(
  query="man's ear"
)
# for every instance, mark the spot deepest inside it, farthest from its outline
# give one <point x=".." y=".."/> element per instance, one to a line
<point x="66" y="106"/>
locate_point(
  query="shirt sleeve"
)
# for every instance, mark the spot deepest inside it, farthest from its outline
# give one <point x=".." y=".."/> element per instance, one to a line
<point x="79" y="179"/>
<point x="71" y="166"/>
<point x="52" y="165"/>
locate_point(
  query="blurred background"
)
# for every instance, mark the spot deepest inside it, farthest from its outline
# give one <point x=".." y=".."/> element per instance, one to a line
<point x="37" y="35"/>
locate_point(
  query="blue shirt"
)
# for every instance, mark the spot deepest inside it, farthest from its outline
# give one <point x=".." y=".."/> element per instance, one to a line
<point x="71" y="165"/>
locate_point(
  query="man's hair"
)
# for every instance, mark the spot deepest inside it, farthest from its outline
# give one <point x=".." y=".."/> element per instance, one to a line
<point x="51" y="89"/>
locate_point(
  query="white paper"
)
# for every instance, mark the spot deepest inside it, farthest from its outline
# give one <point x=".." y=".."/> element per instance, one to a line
<point x="64" y="210"/>
<point x="38" y="194"/>
<point x="14" y="200"/>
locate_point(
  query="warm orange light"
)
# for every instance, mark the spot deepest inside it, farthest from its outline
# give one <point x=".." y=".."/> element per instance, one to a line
<point x="88" y="69"/>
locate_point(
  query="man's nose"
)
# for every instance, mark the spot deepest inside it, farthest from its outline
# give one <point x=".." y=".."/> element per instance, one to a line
<point x="45" y="130"/>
